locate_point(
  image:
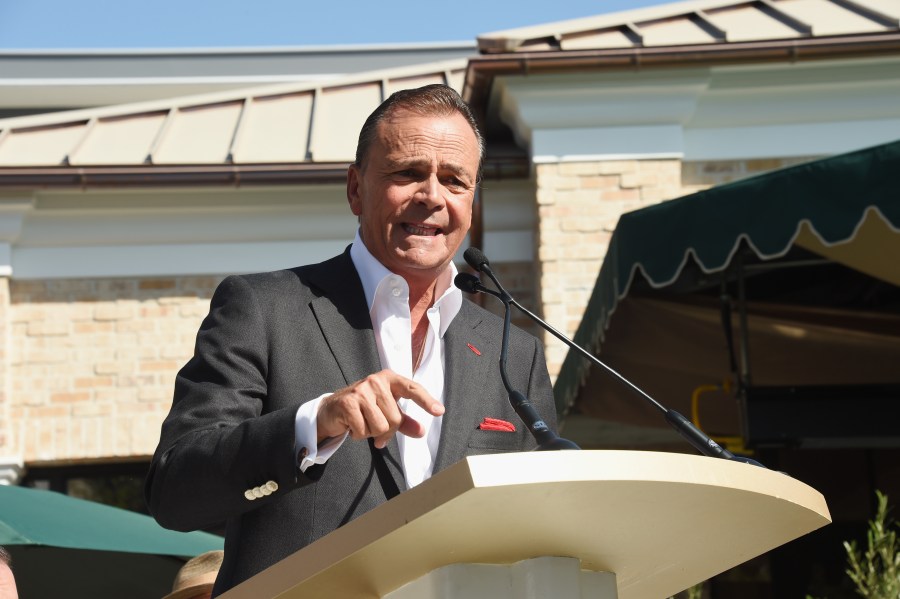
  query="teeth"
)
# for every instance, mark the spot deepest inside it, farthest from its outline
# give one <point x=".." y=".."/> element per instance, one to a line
<point x="414" y="230"/>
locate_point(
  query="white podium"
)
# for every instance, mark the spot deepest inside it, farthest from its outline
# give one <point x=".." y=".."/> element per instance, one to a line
<point x="626" y="524"/>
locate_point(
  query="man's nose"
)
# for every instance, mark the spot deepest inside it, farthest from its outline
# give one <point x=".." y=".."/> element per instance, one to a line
<point x="430" y="192"/>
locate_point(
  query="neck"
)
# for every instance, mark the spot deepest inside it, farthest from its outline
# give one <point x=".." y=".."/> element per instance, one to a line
<point x="423" y="289"/>
<point x="420" y="300"/>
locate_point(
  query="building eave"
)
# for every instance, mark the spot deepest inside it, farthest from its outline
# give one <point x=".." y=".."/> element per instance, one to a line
<point x="206" y="175"/>
<point x="482" y="70"/>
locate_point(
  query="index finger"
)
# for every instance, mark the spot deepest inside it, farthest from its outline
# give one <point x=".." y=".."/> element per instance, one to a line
<point x="404" y="387"/>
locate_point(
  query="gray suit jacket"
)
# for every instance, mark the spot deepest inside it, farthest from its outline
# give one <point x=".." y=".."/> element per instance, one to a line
<point x="274" y="340"/>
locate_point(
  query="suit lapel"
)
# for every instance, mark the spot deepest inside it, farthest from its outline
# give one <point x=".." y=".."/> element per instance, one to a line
<point x="464" y="373"/>
<point x="344" y="320"/>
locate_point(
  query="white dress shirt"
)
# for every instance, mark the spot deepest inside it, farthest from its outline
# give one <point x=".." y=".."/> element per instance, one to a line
<point x="387" y="295"/>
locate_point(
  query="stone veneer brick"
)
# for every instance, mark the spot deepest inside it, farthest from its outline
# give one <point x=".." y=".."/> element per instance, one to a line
<point x="90" y="364"/>
<point x="579" y="204"/>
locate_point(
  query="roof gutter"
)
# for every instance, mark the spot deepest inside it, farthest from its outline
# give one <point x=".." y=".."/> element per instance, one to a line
<point x="84" y="177"/>
<point x="208" y="175"/>
<point x="483" y="69"/>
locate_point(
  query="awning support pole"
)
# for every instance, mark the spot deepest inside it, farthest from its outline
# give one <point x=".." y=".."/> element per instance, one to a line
<point x="742" y="317"/>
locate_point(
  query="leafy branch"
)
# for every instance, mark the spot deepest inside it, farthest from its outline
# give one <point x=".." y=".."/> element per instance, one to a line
<point x="876" y="573"/>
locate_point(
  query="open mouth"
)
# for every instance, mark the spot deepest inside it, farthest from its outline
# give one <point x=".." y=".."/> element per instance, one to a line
<point x="421" y="229"/>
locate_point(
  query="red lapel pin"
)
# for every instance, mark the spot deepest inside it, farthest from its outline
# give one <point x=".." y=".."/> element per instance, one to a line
<point x="474" y="349"/>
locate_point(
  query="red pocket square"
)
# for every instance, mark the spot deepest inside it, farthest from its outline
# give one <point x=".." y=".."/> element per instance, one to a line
<point x="495" y="424"/>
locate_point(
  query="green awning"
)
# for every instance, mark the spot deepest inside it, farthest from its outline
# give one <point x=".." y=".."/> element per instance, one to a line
<point x="37" y="517"/>
<point x="846" y="208"/>
<point x="63" y="546"/>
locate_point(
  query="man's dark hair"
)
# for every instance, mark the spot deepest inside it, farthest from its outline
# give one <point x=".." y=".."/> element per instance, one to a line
<point x="5" y="557"/>
<point x="430" y="100"/>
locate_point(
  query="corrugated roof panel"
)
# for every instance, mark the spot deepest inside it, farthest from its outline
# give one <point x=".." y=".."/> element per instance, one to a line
<point x="682" y="23"/>
<point x="199" y="135"/>
<point x="275" y="129"/>
<point x="886" y="7"/>
<point x="746" y="23"/>
<point x="538" y="45"/>
<point x="457" y="80"/>
<point x="673" y="32"/>
<point x="40" y="146"/>
<point x="826" y="17"/>
<point x="124" y="140"/>
<point x="338" y="116"/>
<point x="595" y="40"/>
<point x="412" y="82"/>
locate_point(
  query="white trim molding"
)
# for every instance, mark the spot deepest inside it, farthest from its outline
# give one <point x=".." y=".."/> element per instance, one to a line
<point x="713" y="113"/>
<point x="11" y="470"/>
<point x="12" y="216"/>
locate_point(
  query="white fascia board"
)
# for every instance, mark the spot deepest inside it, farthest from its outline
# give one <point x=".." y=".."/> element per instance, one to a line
<point x="265" y="223"/>
<point x="719" y="113"/>
<point x="207" y="259"/>
<point x="5" y="259"/>
<point x="600" y="100"/>
<point x="588" y="144"/>
<point x="156" y="233"/>
<point x="787" y="140"/>
<point x="168" y="260"/>
<point x="605" y="99"/>
<point x="13" y="211"/>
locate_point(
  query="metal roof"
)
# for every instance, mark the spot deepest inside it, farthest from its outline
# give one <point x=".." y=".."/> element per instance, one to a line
<point x="315" y="124"/>
<point x="283" y="123"/>
<point x="701" y="22"/>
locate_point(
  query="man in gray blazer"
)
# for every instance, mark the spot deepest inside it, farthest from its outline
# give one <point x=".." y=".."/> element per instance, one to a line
<point x="284" y="422"/>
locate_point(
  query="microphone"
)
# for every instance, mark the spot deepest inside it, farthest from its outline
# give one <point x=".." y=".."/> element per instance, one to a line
<point x="476" y="259"/>
<point x="471" y="284"/>
<point x="698" y="439"/>
<point x="546" y="438"/>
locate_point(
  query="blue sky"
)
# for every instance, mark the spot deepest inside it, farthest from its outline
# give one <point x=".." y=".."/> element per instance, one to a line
<point x="29" y="24"/>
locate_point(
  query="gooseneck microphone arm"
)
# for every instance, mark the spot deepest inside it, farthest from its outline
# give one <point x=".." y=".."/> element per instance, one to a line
<point x="546" y="438"/>
<point x="697" y="438"/>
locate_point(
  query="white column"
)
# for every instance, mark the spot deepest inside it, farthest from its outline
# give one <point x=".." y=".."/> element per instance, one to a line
<point x="537" y="578"/>
<point x="12" y="214"/>
<point x="11" y="470"/>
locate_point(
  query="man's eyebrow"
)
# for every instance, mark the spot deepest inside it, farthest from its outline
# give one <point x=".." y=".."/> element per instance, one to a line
<point x="453" y="167"/>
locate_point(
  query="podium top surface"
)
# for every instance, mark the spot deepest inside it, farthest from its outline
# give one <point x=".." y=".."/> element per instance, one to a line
<point x="660" y="521"/>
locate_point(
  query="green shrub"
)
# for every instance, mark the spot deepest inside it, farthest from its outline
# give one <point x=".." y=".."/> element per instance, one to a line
<point x="876" y="573"/>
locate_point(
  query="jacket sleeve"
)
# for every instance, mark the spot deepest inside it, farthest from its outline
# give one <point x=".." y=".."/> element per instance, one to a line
<point x="221" y="438"/>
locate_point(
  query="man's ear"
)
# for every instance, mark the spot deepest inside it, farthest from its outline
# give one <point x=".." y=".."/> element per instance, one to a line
<point x="354" y="197"/>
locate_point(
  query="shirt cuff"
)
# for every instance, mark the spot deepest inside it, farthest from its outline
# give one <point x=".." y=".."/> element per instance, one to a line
<point x="309" y="452"/>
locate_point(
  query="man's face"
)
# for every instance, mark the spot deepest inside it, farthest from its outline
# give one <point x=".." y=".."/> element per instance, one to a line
<point x="414" y="192"/>
<point x="7" y="583"/>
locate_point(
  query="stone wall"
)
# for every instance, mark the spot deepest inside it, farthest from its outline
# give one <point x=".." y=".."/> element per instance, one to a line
<point x="697" y="175"/>
<point x="579" y="204"/>
<point x="91" y="363"/>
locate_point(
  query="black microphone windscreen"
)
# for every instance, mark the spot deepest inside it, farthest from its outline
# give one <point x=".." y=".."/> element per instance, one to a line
<point x="476" y="258"/>
<point x="466" y="282"/>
